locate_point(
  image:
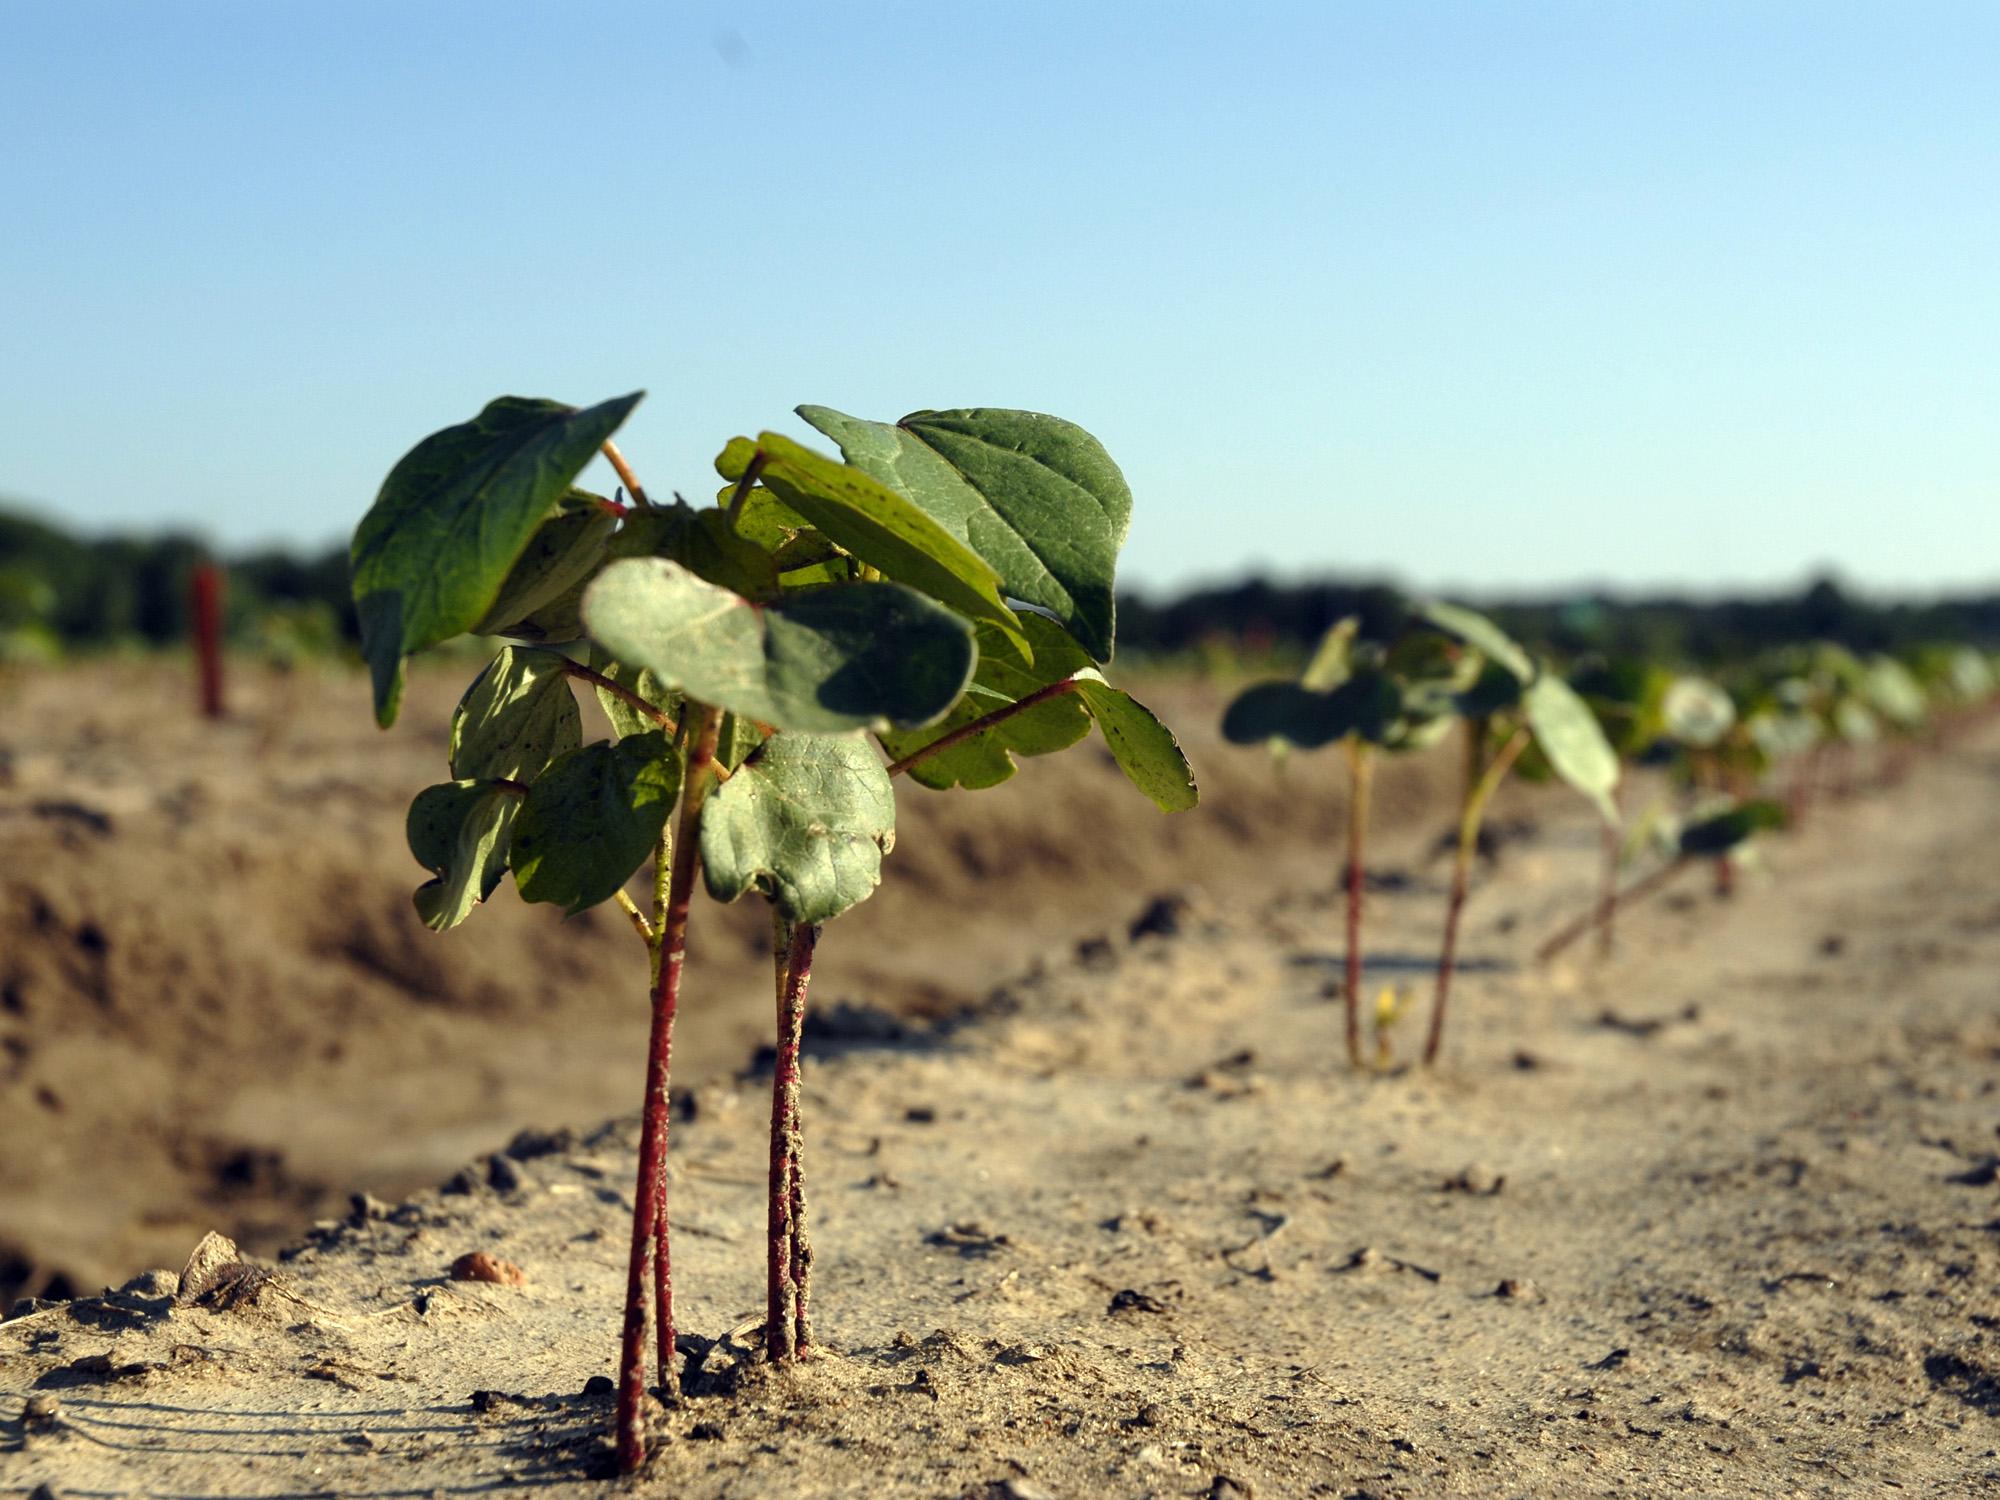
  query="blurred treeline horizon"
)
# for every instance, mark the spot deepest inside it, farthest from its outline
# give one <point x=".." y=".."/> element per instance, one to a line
<point x="63" y="594"/>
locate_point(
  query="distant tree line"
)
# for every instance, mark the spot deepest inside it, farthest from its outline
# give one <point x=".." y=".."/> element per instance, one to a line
<point x="99" y="592"/>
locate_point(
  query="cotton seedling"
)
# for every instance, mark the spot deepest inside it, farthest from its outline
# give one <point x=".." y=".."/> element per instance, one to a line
<point x="1367" y="697"/>
<point x="1627" y="698"/>
<point x="1724" y="828"/>
<point x="742" y="654"/>
<point x="1514" y="702"/>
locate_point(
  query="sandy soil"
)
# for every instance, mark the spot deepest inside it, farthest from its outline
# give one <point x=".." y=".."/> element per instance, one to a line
<point x="1716" y="1216"/>
<point x="218" y="1010"/>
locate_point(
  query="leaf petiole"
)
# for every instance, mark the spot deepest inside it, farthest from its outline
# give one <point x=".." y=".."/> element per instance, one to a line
<point x="625" y="475"/>
<point x="985" y="722"/>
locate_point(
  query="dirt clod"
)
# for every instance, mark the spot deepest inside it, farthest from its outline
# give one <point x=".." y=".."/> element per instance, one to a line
<point x="478" y="1265"/>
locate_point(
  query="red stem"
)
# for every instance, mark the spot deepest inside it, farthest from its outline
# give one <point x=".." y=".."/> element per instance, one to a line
<point x="1638" y="891"/>
<point x="649" y="1212"/>
<point x="1447" y="961"/>
<point x="788" y="1256"/>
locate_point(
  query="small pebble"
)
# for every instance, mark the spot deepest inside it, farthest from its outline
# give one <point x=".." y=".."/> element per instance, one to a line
<point x="600" y="1385"/>
<point x="503" y="1176"/>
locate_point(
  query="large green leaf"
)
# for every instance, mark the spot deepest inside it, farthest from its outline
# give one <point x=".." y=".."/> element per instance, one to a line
<point x="453" y="518"/>
<point x="517" y="716"/>
<point x="806" y="820"/>
<point x="564" y="551"/>
<point x="877" y="525"/>
<point x="588" y="823"/>
<point x="1567" y="734"/>
<point x="1036" y="496"/>
<point x="1145" y="749"/>
<point x="1480" y="633"/>
<point x="458" y="830"/>
<point x="856" y="656"/>
<point x="988" y="759"/>
<point x="1368" y="705"/>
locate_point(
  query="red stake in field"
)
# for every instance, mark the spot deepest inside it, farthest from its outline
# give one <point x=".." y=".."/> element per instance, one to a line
<point x="205" y="599"/>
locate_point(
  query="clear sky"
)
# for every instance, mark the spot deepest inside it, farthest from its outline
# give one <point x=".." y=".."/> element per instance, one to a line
<point x="1487" y="295"/>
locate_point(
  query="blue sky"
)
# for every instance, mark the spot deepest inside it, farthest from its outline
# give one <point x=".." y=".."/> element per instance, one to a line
<point x="1484" y="296"/>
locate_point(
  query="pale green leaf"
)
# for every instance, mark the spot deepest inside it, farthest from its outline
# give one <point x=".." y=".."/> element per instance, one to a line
<point x="459" y="830"/>
<point x="1567" y="734"/>
<point x="856" y="656"/>
<point x="805" y="820"/>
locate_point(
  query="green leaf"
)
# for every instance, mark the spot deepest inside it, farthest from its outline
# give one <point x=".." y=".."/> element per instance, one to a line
<point x="1145" y="749"/>
<point x="588" y="823"/>
<point x="1367" y="705"/>
<point x="1036" y="496"/>
<point x="1480" y="633"/>
<point x="806" y="820"/>
<point x="988" y="759"/>
<point x="564" y="551"/>
<point x="626" y="720"/>
<point x="735" y="739"/>
<point x="1494" y="691"/>
<point x="517" y="716"/>
<point x="856" y="656"/>
<point x="763" y="519"/>
<point x="1721" y="832"/>
<point x="1894" y="693"/>
<point x="1697" y="712"/>
<point x="453" y="518"/>
<point x="702" y="542"/>
<point x="458" y="830"/>
<point x="876" y="525"/>
<point x="1566" y="733"/>
<point x="1333" y="659"/>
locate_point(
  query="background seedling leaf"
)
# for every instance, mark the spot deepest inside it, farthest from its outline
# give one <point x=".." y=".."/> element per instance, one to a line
<point x="1333" y="659"/>
<point x="1697" y="712"/>
<point x="988" y="759"/>
<point x="459" y="830"/>
<point x="1145" y="749"/>
<point x="564" y="551"/>
<point x="877" y="525"/>
<point x="806" y="820"/>
<point x="517" y="716"/>
<point x="1480" y="633"/>
<point x="453" y="518"/>
<point x="1566" y="733"/>
<point x="1035" y="496"/>
<point x="590" y="820"/>
<point x="1721" y="832"/>
<point x="1367" y="704"/>
<point x="856" y="656"/>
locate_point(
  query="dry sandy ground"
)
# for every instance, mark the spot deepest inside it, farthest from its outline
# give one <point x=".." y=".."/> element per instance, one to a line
<point x="1715" y="1217"/>
<point x="218" y="1009"/>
